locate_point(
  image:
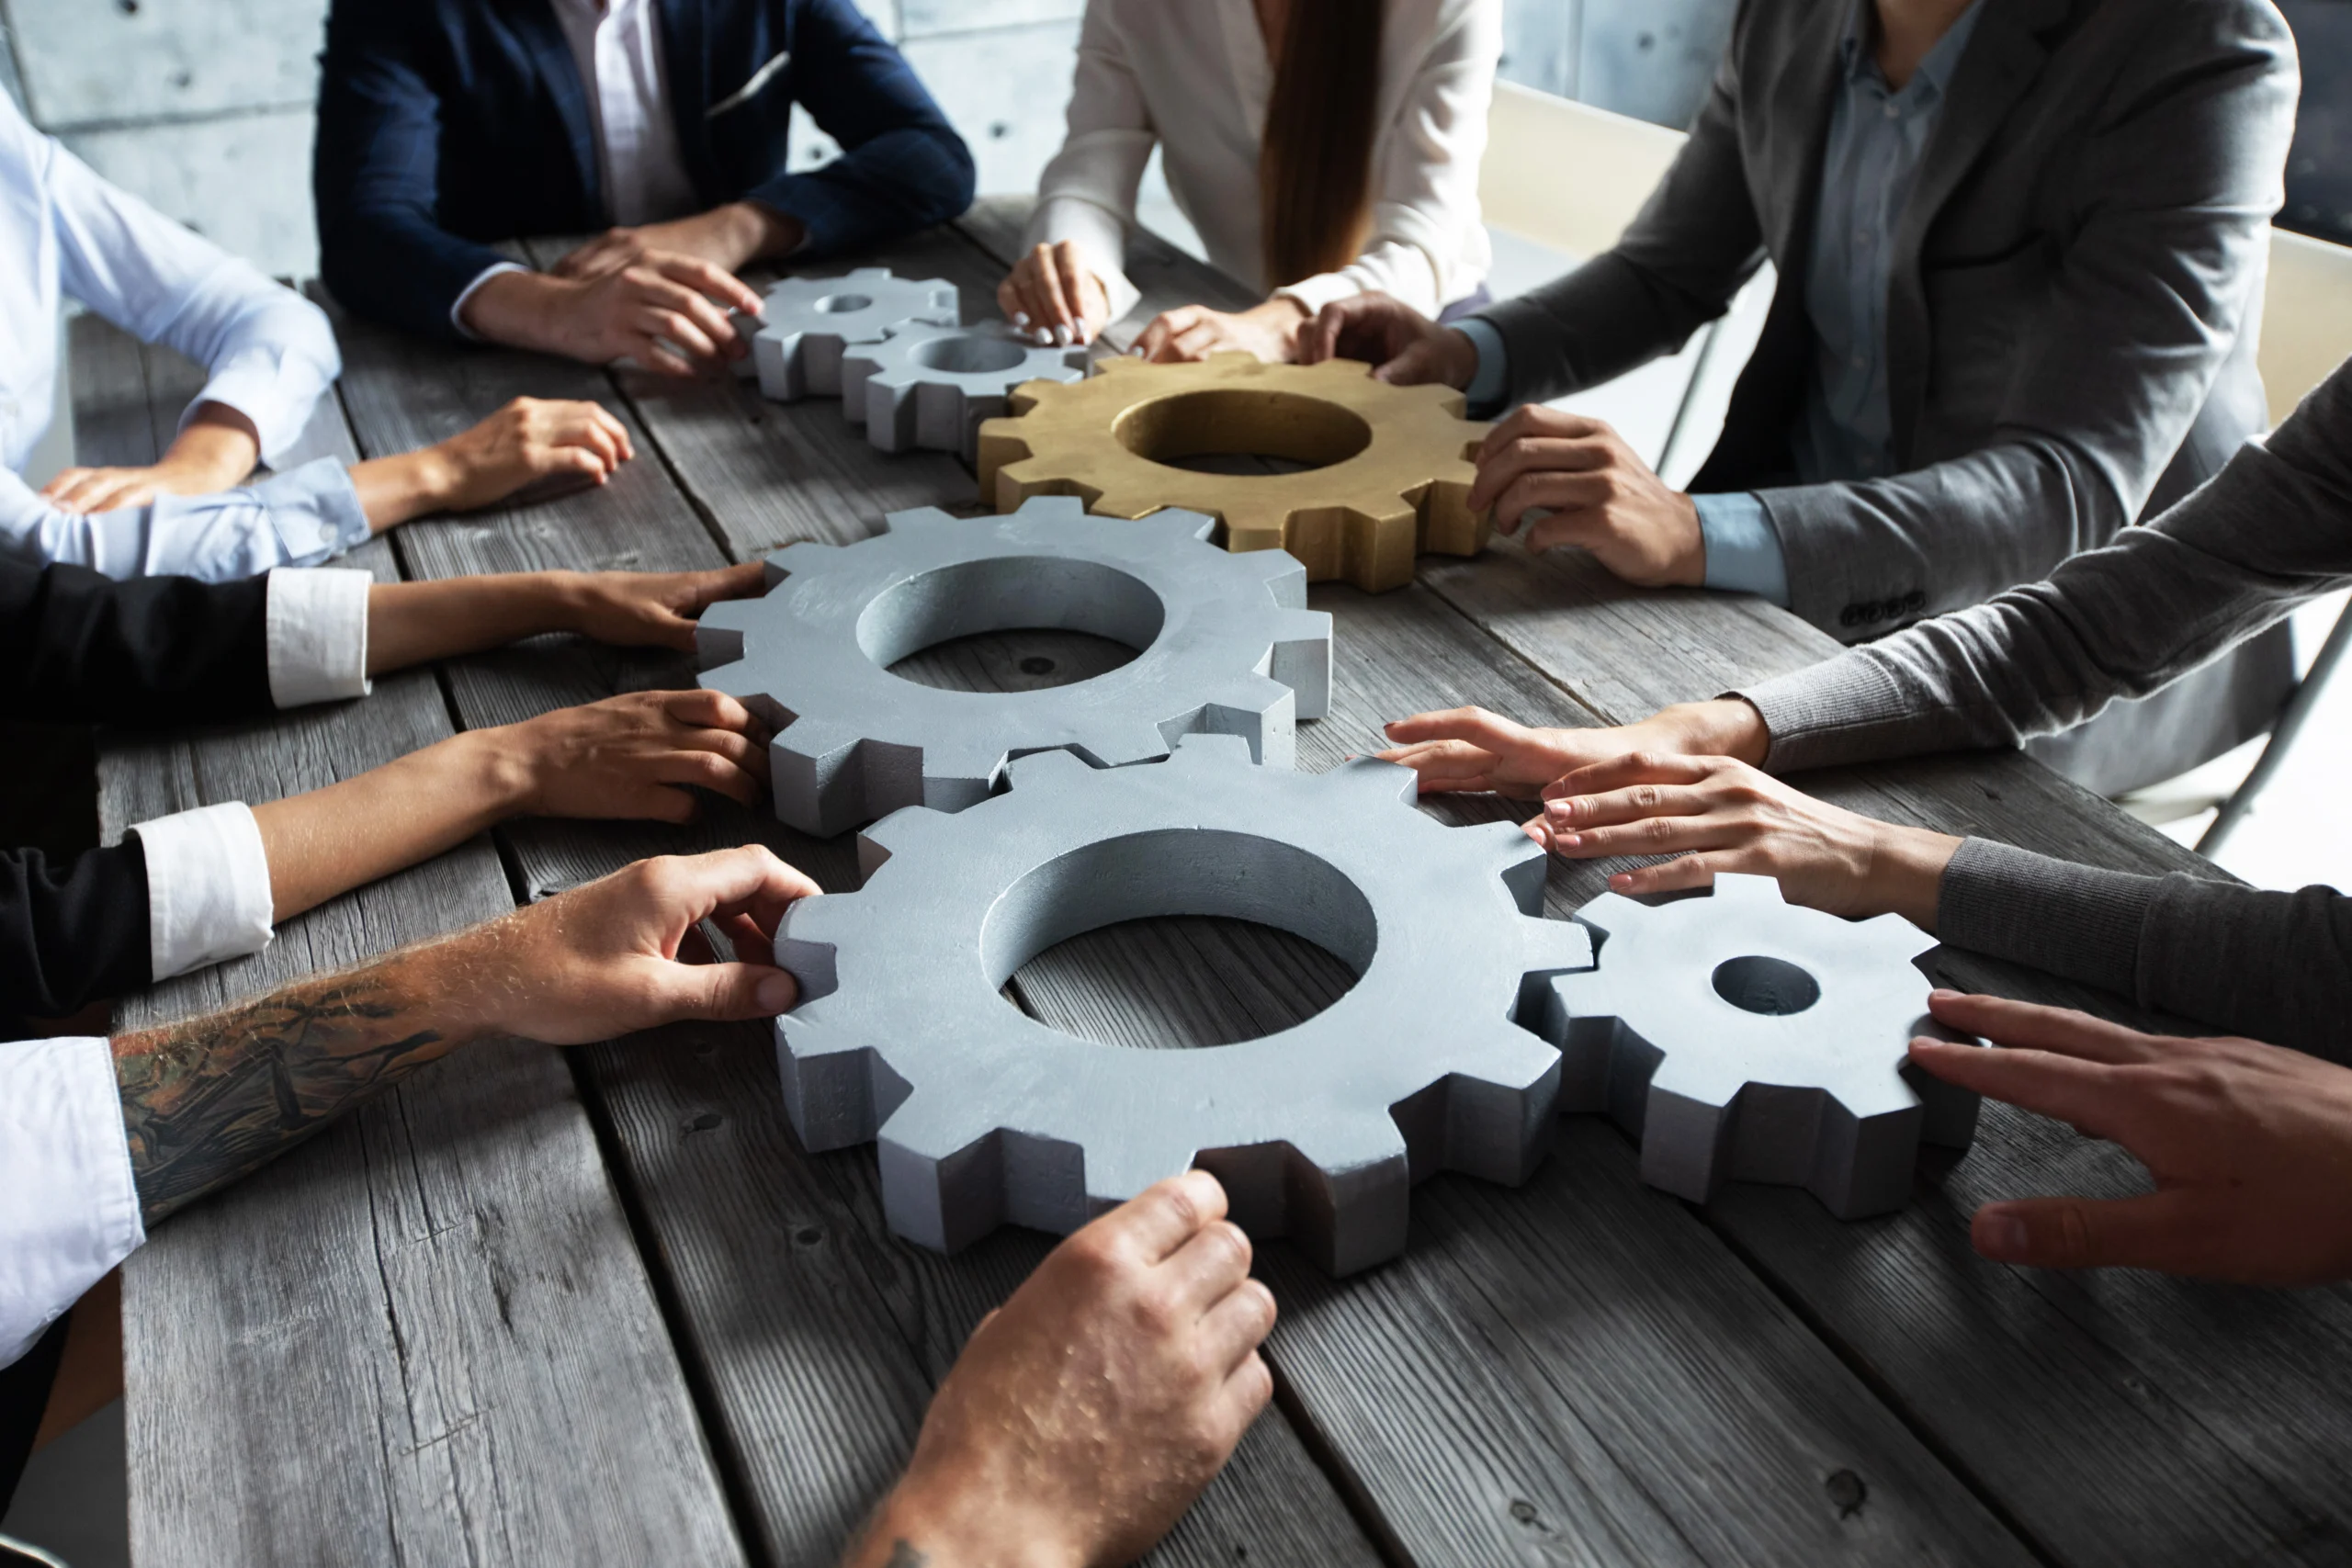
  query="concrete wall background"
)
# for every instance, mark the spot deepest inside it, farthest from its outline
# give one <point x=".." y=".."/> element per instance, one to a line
<point x="203" y="106"/>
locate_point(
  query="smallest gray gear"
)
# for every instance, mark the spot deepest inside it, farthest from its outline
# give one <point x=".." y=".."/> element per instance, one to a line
<point x="929" y="387"/>
<point x="806" y="323"/>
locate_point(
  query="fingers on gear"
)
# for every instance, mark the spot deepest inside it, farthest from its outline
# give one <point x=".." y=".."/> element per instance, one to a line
<point x="1225" y="645"/>
<point x="1739" y="1037"/>
<point x="987" y="1116"/>
<point x="1386" y="469"/>
<point x="805" y="324"/>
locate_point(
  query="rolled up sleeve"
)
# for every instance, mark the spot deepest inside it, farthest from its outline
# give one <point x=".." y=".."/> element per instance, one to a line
<point x="207" y="887"/>
<point x="68" y="1205"/>
<point x="298" y="518"/>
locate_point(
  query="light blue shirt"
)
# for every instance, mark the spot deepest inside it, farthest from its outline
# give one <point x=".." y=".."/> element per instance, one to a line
<point x="64" y="232"/>
<point x="1877" y="137"/>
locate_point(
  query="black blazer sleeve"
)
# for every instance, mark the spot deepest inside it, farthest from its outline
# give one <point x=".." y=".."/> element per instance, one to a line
<point x="71" y="935"/>
<point x="76" y="646"/>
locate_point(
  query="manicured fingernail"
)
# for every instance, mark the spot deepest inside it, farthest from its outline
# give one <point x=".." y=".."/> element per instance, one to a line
<point x="1944" y="994"/>
<point x="1566" y="840"/>
<point x="1561" y="807"/>
<point x="1136" y="351"/>
<point x="777" y="993"/>
<point x="2001" y="1236"/>
<point x="1623" y="882"/>
<point x="1061" y="337"/>
<point x="1020" y="318"/>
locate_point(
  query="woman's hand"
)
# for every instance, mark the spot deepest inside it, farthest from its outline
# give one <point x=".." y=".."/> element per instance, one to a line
<point x="1054" y="295"/>
<point x="632" y="756"/>
<point x="528" y="441"/>
<point x="1400" y="343"/>
<point x="216" y="450"/>
<point x="1270" y="330"/>
<point x="652" y="609"/>
<point x="2250" y="1144"/>
<point x="1470" y="750"/>
<point x="1715" y="814"/>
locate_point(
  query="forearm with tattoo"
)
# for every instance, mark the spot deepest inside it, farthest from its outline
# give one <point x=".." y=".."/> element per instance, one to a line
<point x="209" y="1099"/>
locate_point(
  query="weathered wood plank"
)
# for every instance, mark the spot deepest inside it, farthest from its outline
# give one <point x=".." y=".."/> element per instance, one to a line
<point x="372" y="1349"/>
<point x="818" y="1360"/>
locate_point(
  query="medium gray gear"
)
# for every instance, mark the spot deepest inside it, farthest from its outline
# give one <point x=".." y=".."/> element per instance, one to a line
<point x="986" y="1116"/>
<point x="930" y="387"/>
<point x="1225" y="645"/>
<point x="1741" y="1037"/>
<point x="805" y="324"/>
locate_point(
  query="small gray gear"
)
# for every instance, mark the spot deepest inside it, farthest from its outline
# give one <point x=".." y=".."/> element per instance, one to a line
<point x="986" y="1116"/>
<point x="930" y="387"/>
<point x="1225" y="645"/>
<point x="1741" y="1037"/>
<point x="805" y="324"/>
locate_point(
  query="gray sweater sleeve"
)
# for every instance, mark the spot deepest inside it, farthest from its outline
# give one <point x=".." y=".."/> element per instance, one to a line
<point x="2273" y="967"/>
<point x="2272" y="529"/>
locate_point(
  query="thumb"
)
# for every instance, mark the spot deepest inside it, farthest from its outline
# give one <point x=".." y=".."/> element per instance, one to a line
<point x="724" y="992"/>
<point x="2158" y="1231"/>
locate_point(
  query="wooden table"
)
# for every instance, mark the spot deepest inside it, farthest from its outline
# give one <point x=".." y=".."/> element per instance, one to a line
<point x="598" y="1307"/>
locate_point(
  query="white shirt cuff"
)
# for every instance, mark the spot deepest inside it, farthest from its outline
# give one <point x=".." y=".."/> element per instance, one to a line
<point x="317" y="635"/>
<point x="68" y="1206"/>
<point x="458" y="305"/>
<point x="207" y="887"/>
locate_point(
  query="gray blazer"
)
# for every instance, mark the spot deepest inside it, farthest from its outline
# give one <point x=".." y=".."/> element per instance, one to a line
<point x="2087" y="235"/>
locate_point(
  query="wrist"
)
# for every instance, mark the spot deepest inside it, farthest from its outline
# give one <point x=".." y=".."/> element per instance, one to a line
<point x="394" y="490"/>
<point x="760" y="233"/>
<point x="1727" y="727"/>
<point x="500" y="770"/>
<point x="1458" y="357"/>
<point x="1285" y="318"/>
<point x="215" y="450"/>
<point x="1906" y="873"/>
<point x="950" y="1519"/>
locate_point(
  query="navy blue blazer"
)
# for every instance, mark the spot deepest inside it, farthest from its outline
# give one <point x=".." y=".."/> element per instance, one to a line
<point x="445" y="125"/>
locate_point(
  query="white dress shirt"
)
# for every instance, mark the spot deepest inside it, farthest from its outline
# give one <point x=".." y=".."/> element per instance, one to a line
<point x="1196" y="78"/>
<point x="64" y="232"/>
<point x="68" y="1209"/>
<point x="624" y="76"/>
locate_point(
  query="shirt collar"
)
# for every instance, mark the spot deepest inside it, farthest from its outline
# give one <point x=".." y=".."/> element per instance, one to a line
<point x="1853" y="49"/>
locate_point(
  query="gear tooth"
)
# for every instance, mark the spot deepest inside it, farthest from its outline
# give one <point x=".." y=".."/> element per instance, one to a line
<point x="1892" y="937"/>
<point x="736" y="678"/>
<point x="1742" y="890"/>
<point x="1129" y="746"/>
<point x="1557" y="944"/>
<point x="1201" y="749"/>
<point x="1283" y="574"/>
<point x="1609" y="913"/>
<point x="960" y="772"/>
<point x="869" y="272"/>
<point x="916" y="519"/>
<point x="1179" y="525"/>
<point x="1038" y="770"/>
<point x="737" y="616"/>
<point x="1050" y="511"/>
<point x="903" y="829"/>
<point x="1382" y="780"/>
<point x="1117" y="364"/>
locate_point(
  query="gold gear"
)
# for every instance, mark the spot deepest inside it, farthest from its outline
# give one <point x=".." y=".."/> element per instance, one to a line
<point x="1392" y="474"/>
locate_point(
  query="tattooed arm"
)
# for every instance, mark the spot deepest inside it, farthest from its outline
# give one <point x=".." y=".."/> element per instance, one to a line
<point x="1087" y="1413"/>
<point x="206" y="1101"/>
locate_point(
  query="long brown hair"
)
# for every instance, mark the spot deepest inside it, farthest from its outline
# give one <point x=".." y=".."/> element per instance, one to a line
<point x="1315" y="166"/>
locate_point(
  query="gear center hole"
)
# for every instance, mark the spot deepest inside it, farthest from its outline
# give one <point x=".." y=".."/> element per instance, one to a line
<point x="1773" y="986"/>
<point x="844" y="304"/>
<point x="966" y="356"/>
<point x="1240" y="430"/>
<point x="1180" y="939"/>
<point x="1010" y="624"/>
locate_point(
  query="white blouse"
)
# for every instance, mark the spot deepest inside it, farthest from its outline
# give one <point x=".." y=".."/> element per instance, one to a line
<point x="1193" y="78"/>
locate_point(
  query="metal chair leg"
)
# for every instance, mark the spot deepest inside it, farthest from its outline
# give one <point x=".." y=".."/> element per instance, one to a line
<point x="2291" y="719"/>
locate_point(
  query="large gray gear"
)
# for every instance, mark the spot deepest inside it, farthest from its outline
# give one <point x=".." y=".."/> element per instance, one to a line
<point x="930" y="387"/>
<point x="987" y="1116"/>
<point x="805" y="324"/>
<point x="1741" y="1037"/>
<point x="1226" y="645"/>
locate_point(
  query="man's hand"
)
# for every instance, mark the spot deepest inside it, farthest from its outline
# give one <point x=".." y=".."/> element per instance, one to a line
<point x="602" y="960"/>
<point x="1400" y="343"/>
<point x="214" y="451"/>
<point x="1087" y="1413"/>
<point x="1597" y="493"/>
<point x="1054" y="295"/>
<point x="631" y="756"/>
<point x="1269" y="330"/>
<point x="1471" y="749"/>
<point x="1713" y="814"/>
<point x="2250" y="1144"/>
<point x="664" y="311"/>
<point x="730" y="238"/>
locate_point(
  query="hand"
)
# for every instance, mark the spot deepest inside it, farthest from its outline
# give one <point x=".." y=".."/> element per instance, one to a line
<point x="1401" y="345"/>
<point x="1270" y="330"/>
<point x="632" y="756"/>
<point x="214" y="451"/>
<point x="664" y="311"/>
<point x="1714" y="814"/>
<point x="1054" y="295"/>
<point x="652" y="609"/>
<point x="526" y="441"/>
<point x="1087" y="1413"/>
<point x="729" y="237"/>
<point x="602" y="960"/>
<point x="1599" y="495"/>
<point x="2250" y="1144"/>
<point x="1472" y="749"/>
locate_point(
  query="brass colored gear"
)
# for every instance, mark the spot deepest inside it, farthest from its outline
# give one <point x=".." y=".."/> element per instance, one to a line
<point x="1392" y="475"/>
